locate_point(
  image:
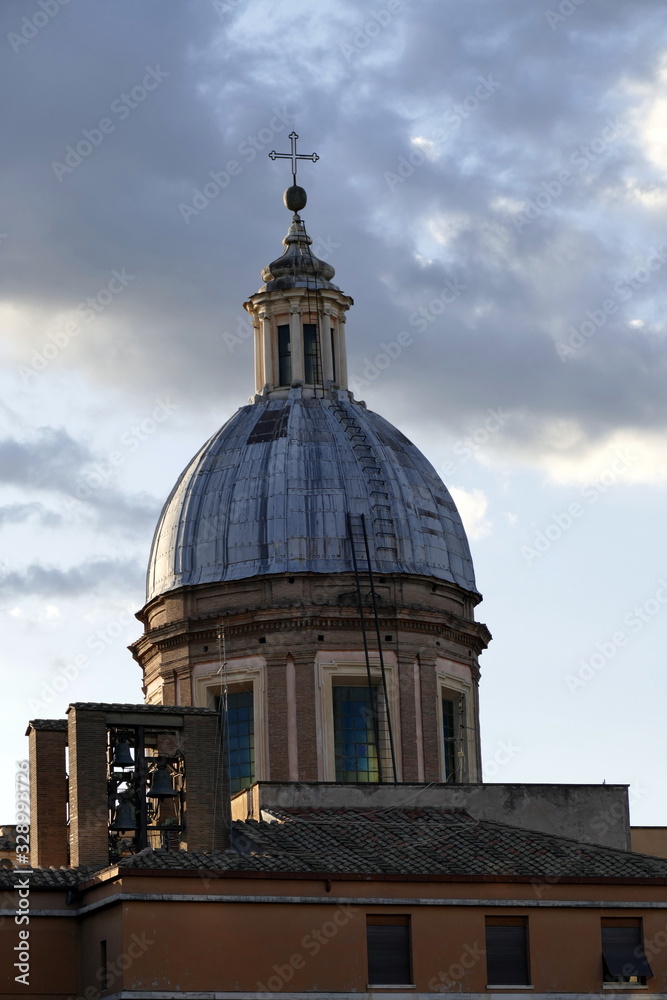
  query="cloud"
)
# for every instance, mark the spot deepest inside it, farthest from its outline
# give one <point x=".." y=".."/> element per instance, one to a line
<point x="54" y="462"/>
<point x="377" y="95"/>
<point x="51" y="461"/>
<point x="90" y="577"/>
<point x="17" y="513"/>
<point x="472" y="506"/>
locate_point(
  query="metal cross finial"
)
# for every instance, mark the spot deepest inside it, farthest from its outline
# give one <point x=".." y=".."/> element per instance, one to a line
<point x="293" y="156"/>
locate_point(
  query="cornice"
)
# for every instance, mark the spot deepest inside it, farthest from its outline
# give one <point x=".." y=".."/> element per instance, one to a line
<point x="474" y="635"/>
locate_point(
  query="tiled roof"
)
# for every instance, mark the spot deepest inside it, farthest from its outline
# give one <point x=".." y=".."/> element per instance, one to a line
<point x="53" y="725"/>
<point x="46" y="878"/>
<point x="419" y="842"/>
<point x="93" y="706"/>
<point x="425" y="841"/>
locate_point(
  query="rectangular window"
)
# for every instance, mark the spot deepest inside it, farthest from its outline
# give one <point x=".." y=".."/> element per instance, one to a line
<point x="241" y="732"/>
<point x="507" y="951"/>
<point x="311" y="355"/>
<point x="284" y="355"/>
<point x="354" y="733"/>
<point x="623" y="957"/>
<point x="389" y="958"/>
<point x="453" y="729"/>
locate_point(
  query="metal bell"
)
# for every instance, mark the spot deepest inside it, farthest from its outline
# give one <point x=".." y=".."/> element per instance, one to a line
<point x="122" y="756"/>
<point x="124" y="818"/>
<point x="161" y="784"/>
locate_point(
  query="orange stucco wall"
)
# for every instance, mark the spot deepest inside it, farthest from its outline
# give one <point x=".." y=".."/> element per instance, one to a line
<point x="649" y="840"/>
<point x="53" y="959"/>
<point x="254" y="946"/>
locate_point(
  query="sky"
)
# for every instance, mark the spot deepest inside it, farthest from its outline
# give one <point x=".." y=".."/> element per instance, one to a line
<point x="492" y="184"/>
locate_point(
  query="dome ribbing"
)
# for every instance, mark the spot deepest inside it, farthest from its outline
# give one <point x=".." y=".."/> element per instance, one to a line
<point x="270" y="493"/>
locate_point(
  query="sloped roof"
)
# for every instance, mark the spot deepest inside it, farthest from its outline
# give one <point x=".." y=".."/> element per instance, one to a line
<point x="148" y="708"/>
<point x="271" y="491"/>
<point x="52" y="725"/>
<point x="47" y="878"/>
<point x="417" y="842"/>
<point x="426" y="841"/>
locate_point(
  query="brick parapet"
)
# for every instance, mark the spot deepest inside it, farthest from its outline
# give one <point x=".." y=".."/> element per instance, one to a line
<point x="88" y="806"/>
<point x="48" y="797"/>
<point x="207" y="810"/>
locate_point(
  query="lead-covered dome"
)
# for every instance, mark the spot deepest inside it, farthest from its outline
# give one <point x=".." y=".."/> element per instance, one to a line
<point x="271" y="491"/>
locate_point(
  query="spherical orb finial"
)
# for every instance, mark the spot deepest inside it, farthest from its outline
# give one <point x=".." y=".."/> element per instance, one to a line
<point x="295" y="198"/>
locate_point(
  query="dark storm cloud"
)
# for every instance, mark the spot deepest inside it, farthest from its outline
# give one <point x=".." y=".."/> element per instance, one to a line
<point x="504" y="98"/>
<point x="91" y="577"/>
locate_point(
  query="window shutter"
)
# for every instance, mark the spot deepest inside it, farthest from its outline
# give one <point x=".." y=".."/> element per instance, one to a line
<point x="389" y="951"/>
<point x="507" y="953"/>
<point x="623" y="951"/>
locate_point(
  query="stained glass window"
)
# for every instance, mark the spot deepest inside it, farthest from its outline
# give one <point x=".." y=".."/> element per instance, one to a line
<point x="354" y="738"/>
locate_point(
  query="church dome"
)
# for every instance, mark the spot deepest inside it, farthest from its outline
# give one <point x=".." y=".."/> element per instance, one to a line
<point x="271" y="492"/>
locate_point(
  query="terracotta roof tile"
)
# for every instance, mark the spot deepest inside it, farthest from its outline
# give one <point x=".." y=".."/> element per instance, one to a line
<point x="392" y="841"/>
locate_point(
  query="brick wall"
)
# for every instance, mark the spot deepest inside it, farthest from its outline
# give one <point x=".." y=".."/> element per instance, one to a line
<point x="276" y="683"/>
<point x="206" y="787"/>
<point x="87" y="737"/>
<point x="305" y="716"/>
<point x="429" y="718"/>
<point x="408" y="732"/>
<point x="48" y="797"/>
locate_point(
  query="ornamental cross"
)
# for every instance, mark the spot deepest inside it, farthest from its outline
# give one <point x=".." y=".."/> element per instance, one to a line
<point x="293" y="155"/>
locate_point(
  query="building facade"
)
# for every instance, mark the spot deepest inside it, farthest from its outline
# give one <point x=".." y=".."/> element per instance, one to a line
<point x="297" y="806"/>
